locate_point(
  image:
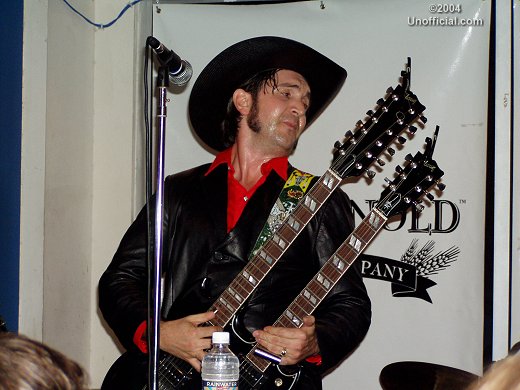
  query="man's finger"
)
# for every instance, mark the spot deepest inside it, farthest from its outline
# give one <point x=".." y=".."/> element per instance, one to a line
<point x="200" y="318"/>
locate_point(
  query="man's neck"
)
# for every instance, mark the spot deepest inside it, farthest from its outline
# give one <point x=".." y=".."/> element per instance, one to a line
<point x="247" y="164"/>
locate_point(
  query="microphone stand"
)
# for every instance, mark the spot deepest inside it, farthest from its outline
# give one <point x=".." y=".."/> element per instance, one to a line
<point x="154" y="287"/>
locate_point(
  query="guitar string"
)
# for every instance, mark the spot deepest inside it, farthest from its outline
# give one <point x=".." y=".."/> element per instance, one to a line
<point x="269" y="247"/>
<point x="365" y="228"/>
<point x="283" y="316"/>
<point x="360" y="233"/>
<point x="343" y="158"/>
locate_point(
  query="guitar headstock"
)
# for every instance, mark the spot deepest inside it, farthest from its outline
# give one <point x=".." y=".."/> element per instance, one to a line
<point x="394" y="114"/>
<point x="413" y="181"/>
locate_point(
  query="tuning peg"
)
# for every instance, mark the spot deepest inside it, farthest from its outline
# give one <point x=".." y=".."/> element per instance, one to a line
<point x="430" y="196"/>
<point x="359" y="123"/>
<point x="390" y="90"/>
<point x="411" y="111"/>
<point x="401" y="140"/>
<point x="380" y="162"/>
<point x="380" y="102"/>
<point x="423" y="119"/>
<point x="412" y="129"/>
<point x="404" y="73"/>
<point x="387" y="180"/>
<point x="337" y="145"/>
<point x="370" y="112"/>
<point x="390" y="151"/>
<point x="419" y="207"/>
<point x="398" y="169"/>
<point x="408" y="157"/>
<point x="348" y="134"/>
<point x="441" y="186"/>
<point x="370" y="173"/>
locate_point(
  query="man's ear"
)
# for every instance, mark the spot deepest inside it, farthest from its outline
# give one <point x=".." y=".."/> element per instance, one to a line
<point x="242" y="101"/>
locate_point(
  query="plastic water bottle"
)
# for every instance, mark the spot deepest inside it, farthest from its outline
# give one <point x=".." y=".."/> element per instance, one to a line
<point x="220" y="366"/>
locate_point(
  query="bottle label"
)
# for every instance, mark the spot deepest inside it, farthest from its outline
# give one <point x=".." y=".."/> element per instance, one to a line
<point x="219" y="385"/>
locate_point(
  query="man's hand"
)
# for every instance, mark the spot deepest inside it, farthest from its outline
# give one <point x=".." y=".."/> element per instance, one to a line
<point x="292" y="344"/>
<point x="187" y="340"/>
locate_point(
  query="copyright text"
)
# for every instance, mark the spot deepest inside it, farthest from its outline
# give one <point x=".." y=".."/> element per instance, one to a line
<point x="436" y="21"/>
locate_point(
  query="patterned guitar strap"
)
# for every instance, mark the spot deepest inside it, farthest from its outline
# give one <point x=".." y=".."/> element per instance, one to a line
<point x="293" y="190"/>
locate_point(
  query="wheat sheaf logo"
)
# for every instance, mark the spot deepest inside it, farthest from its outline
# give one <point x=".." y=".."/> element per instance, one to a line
<point x="410" y="276"/>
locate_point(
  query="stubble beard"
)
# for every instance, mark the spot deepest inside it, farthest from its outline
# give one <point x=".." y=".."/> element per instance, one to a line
<point x="253" y="121"/>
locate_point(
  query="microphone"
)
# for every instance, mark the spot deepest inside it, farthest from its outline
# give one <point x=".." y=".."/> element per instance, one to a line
<point x="179" y="71"/>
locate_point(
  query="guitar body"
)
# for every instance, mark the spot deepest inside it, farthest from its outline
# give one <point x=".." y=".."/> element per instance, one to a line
<point x="274" y="378"/>
<point x="130" y="372"/>
<point x="251" y="377"/>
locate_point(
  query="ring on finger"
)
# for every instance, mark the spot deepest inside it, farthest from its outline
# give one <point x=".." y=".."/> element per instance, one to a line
<point x="284" y="352"/>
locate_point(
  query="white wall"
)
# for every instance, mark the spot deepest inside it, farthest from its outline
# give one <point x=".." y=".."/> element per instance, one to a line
<point x="80" y="159"/>
<point x="515" y="270"/>
<point x="68" y="181"/>
<point x="117" y="175"/>
<point x="503" y="207"/>
<point x="33" y="168"/>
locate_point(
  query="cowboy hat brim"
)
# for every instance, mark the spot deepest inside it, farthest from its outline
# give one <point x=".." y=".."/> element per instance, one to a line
<point x="228" y="70"/>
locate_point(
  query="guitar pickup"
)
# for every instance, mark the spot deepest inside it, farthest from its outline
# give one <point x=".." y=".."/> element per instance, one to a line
<point x="268" y="356"/>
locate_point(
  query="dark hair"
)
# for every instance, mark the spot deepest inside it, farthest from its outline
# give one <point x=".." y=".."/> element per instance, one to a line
<point x="253" y="86"/>
<point x="28" y="364"/>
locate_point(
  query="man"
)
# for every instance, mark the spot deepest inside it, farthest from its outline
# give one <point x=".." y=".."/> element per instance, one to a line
<point x="251" y="103"/>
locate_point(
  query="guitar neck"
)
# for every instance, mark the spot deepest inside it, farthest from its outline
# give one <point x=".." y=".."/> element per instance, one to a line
<point x="351" y="158"/>
<point x="328" y="276"/>
<point x="230" y="301"/>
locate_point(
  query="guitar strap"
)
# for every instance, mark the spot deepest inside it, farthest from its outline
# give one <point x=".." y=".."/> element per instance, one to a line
<point x="293" y="190"/>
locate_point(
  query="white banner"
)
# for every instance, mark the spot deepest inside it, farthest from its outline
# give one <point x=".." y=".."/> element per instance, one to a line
<point x="439" y="318"/>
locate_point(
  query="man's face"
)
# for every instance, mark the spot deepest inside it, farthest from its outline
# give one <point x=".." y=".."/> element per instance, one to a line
<point x="278" y="115"/>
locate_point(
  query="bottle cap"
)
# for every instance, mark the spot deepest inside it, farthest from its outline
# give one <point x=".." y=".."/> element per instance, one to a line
<point x="220" y="338"/>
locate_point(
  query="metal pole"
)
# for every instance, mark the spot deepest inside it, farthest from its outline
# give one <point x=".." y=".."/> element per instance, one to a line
<point x="155" y="290"/>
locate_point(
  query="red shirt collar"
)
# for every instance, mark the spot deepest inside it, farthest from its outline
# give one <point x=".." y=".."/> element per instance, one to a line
<point x="278" y="164"/>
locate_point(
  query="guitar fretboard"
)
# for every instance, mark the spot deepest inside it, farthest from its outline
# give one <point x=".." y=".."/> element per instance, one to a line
<point x="267" y="256"/>
<point x="321" y="284"/>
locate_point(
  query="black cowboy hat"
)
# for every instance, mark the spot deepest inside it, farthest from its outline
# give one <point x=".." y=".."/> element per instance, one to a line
<point x="236" y="64"/>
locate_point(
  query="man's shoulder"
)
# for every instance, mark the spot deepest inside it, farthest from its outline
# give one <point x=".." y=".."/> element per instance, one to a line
<point x="189" y="174"/>
<point x="185" y="182"/>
